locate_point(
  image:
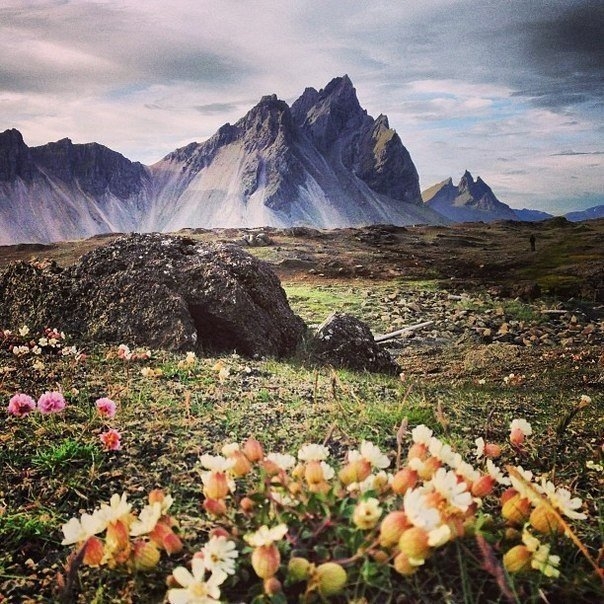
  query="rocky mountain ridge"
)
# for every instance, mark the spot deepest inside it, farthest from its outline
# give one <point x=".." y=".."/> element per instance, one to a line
<point x="470" y="201"/>
<point x="323" y="162"/>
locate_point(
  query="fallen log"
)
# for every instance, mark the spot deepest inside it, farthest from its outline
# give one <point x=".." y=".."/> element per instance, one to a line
<point x="401" y="332"/>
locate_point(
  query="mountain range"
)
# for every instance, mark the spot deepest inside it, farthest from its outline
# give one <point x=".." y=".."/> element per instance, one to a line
<point x="321" y="162"/>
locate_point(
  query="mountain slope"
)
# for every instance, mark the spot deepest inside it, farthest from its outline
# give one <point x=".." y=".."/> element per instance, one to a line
<point x="527" y="215"/>
<point x="323" y="163"/>
<point x="470" y="201"/>
<point x="588" y="214"/>
<point x="63" y="191"/>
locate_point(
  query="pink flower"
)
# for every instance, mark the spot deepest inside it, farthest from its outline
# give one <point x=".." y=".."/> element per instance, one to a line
<point x="21" y="404"/>
<point x="111" y="440"/>
<point x="106" y="407"/>
<point x="51" y="402"/>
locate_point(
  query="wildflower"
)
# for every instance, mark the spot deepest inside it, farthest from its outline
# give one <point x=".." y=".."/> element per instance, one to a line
<point x="479" y="442"/>
<point x="111" y="440"/>
<point x="546" y="563"/>
<point x="370" y="453"/>
<point x="20" y="351"/>
<point x="215" y="485"/>
<point x="216" y="463"/>
<point x="313" y="452"/>
<point x="519" y="429"/>
<point x="497" y="474"/>
<point x="147" y="520"/>
<point x="454" y="492"/>
<point x="51" y="402"/>
<point x="24" y="331"/>
<point x="283" y="461"/>
<point x="106" y="407"/>
<point x="414" y="543"/>
<point x="367" y="513"/>
<point x="404" y="480"/>
<point x="145" y="555"/>
<point x="265" y="560"/>
<point x="418" y="511"/>
<point x="118" y="509"/>
<point x="560" y="498"/>
<point x="219" y="554"/>
<point x="441" y="451"/>
<point x="124" y="352"/>
<point x="78" y="531"/>
<point x="266" y="536"/>
<point x="421" y="435"/>
<point x="517" y="559"/>
<point x="21" y="404"/>
<point x="195" y="590"/>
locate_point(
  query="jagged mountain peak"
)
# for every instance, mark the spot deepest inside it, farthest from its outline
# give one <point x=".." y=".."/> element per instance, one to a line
<point x="470" y="201"/>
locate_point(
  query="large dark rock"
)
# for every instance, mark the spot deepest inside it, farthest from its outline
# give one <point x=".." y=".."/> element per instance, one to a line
<point x="345" y="341"/>
<point x="159" y="291"/>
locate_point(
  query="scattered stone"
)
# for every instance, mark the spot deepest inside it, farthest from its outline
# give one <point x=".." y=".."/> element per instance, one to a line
<point x="345" y="341"/>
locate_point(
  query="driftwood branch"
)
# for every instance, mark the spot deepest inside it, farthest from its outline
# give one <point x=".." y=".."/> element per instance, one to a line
<point x="402" y="332"/>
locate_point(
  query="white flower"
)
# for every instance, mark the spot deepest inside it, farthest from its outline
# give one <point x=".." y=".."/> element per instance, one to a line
<point x="522" y="425"/>
<point x="194" y="589"/>
<point x="219" y="554"/>
<point x="367" y="513"/>
<point x="266" y="536"/>
<point x="561" y="499"/>
<point x="117" y="509"/>
<point x="497" y="474"/>
<point x="328" y="471"/>
<point x="522" y="484"/>
<point x="282" y="498"/>
<point x="284" y="461"/>
<point x="229" y="449"/>
<point x="454" y="492"/>
<point x="43" y="342"/>
<point x="585" y="400"/>
<point x="313" y="452"/>
<point x="479" y="447"/>
<point x="441" y="451"/>
<point x="217" y="463"/>
<point x="372" y="454"/>
<point x="23" y="331"/>
<point x="418" y="511"/>
<point x="467" y="471"/>
<point x="421" y="434"/>
<point x="77" y="531"/>
<point x="373" y="482"/>
<point x="147" y="519"/>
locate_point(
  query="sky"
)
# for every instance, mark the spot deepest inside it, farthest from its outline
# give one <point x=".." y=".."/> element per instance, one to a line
<point x="510" y="90"/>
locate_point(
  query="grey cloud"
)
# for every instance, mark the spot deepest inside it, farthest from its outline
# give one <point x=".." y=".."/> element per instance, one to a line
<point x="571" y="152"/>
<point x="213" y="108"/>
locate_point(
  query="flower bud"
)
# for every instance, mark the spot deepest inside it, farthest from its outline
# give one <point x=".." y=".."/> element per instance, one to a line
<point x="146" y="555"/>
<point x="313" y="473"/>
<point x="404" y="480"/>
<point x="517" y="559"/>
<point x="266" y="560"/>
<point x="545" y="521"/>
<point x="492" y="450"/>
<point x="246" y="504"/>
<point x="517" y="437"/>
<point x="164" y="537"/>
<point x="298" y="569"/>
<point x="215" y="507"/>
<point x="393" y="526"/>
<point x="516" y="510"/>
<point x="216" y="486"/>
<point x="403" y="566"/>
<point x="356" y="471"/>
<point x="418" y="450"/>
<point x="331" y="579"/>
<point x="414" y="543"/>
<point x="272" y="586"/>
<point x="242" y="464"/>
<point x="483" y="486"/>
<point x="253" y="450"/>
<point x="219" y="532"/>
<point x="117" y="536"/>
<point x="93" y="551"/>
<point x="507" y="495"/>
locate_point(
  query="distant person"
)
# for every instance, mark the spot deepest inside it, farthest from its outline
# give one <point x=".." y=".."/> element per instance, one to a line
<point x="533" y="239"/>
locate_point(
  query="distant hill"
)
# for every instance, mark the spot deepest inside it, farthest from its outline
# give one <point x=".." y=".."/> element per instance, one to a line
<point x="527" y="215"/>
<point x="589" y="214"/>
<point x="470" y="201"/>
